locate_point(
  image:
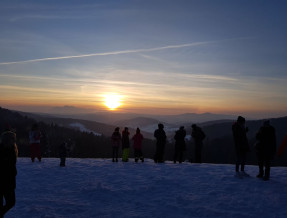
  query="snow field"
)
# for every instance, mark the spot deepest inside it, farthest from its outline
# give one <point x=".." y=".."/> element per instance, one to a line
<point x="100" y="188"/>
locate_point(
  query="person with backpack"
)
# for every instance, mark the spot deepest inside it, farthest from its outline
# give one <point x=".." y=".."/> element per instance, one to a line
<point x="8" y="171"/>
<point x="241" y="145"/>
<point x="160" y="136"/>
<point x="138" y="138"/>
<point x="116" y="142"/>
<point x="34" y="138"/>
<point x="125" y="144"/>
<point x="180" y="145"/>
<point x="266" y="149"/>
<point x="198" y="136"/>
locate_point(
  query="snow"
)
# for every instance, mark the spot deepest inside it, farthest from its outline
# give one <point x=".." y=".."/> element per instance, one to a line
<point x="82" y="128"/>
<point x="100" y="188"/>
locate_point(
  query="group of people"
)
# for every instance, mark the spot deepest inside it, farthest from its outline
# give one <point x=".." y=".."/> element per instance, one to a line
<point x="124" y="140"/>
<point x="265" y="147"/>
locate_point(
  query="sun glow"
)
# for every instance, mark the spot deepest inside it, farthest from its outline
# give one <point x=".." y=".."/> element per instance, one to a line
<point x="113" y="101"/>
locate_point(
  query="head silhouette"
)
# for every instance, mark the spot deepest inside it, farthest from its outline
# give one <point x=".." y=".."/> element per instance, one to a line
<point x="138" y="131"/>
<point x="160" y="126"/>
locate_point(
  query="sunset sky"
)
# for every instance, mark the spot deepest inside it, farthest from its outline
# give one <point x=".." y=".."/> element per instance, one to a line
<point x="154" y="57"/>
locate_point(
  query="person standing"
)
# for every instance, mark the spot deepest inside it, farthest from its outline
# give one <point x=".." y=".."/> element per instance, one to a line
<point x="266" y="149"/>
<point x="116" y="142"/>
<point x="63" y="154"/>
<point x="138" y="138"/>
<point x="241" y="145"/>
<point x="8" y="171"/>
<point x="198" y="136"/>
<point x="125" y="144"/>
<point x="34" y="138"/>
<point x="160" y="136"/>
<point x="180" y="145"/>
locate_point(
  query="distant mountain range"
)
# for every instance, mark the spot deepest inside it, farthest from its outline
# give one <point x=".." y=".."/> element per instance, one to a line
<point x="116" y="117"/>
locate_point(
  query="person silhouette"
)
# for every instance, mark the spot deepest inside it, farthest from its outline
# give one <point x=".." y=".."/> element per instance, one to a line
<point x="241" y="145"/>
<point x="34" y="138"/>
<point x="180" y="145"/>
<point x="138" y="138"/>
<point x="116" y="142"/>
<point x="266" y="149"/>
<point x="125" y="144"/>
<point x="198" y="136"/>
<point x="160" y="136"/>
<point x="8" y="170"/>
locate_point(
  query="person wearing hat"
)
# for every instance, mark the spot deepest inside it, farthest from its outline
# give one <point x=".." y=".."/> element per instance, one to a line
<point x="160" y="136"/>
<point x="8" y="171"/>
<point x="241" y="145"/>
<point x="266" y="149"/>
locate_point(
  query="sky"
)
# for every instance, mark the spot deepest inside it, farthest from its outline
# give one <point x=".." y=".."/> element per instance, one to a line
<point x="146" y="56"/>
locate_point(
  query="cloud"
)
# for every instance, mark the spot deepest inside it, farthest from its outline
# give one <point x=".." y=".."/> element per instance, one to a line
<point x="110" y="53"/>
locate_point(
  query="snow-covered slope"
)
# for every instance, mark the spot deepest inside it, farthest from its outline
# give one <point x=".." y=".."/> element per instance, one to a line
<point x="100" y="188"/>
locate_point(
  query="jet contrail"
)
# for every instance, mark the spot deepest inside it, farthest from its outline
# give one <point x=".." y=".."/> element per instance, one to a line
<point x="109" y="53"/>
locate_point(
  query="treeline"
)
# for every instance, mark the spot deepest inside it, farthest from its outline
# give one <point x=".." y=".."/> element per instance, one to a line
<point x="81" y="144"/>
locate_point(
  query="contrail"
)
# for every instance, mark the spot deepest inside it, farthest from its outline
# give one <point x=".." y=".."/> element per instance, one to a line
<point x="109" y="53"/>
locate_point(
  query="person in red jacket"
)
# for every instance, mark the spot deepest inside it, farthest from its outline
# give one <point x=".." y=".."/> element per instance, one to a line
<point x="138" y="138"/>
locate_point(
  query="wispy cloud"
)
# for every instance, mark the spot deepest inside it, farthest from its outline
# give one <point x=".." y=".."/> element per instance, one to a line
<point x="111" y="53"/>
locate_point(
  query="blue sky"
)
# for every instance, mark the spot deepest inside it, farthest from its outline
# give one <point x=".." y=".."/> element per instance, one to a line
<point x="157" y="56"/>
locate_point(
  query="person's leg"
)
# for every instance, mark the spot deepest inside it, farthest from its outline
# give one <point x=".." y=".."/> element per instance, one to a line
<point x="114" y="153"/>
<point x="267" y="164"/>
<point x="1" y="205"/>
<point x="260" y="165"/>
<point x="243" y="161"/>
<point x="38" y="151"/>
<point x="175" y="155"/>
<point x="136" y="154"/>
<point x="10" y="201"/>
<point x="197" y="153"/>
<point x="161" y="154"/>
<point x="141" y="155"/>
<point x="237" y="162"/>
<point x="32" y="150"/>
<point x="180" y="156"/>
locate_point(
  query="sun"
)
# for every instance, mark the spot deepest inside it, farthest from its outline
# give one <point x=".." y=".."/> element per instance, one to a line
<point x="113" y="101"/>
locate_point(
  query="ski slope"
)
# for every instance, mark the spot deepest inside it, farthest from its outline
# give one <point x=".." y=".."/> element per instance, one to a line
<point x="100" y="188"/>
